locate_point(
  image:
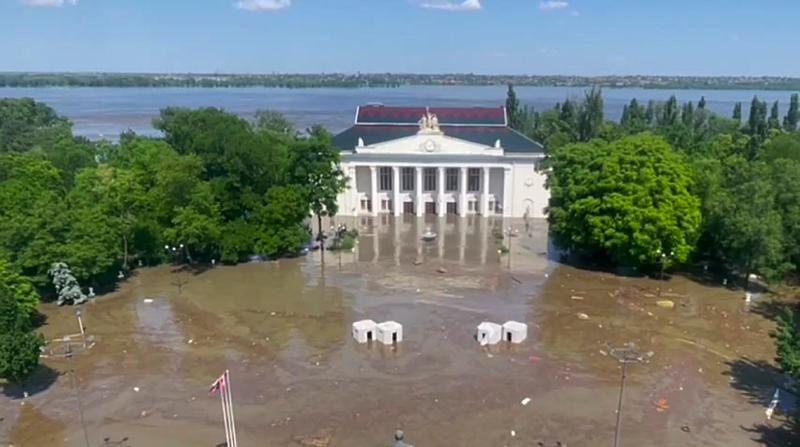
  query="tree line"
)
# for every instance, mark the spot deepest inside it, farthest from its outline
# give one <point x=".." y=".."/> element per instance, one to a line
<point x="215" y="187"/>
<point x="672" y="182"/>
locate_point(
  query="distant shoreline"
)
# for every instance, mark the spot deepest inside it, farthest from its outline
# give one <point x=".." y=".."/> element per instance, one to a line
<point x="358" y="81"/>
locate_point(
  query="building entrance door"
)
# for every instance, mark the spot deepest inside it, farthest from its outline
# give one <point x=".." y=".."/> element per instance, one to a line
<point x="452" y="208"/>
<point x="430" y="208"/>
<point x="408" y="207"/>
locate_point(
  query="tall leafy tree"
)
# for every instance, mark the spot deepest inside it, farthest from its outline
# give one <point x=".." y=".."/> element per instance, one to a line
<point x="702" y="103"/>
<point x="512" y="108"/>
<point x="314" y="166"/>
<point x="737" y="112"/>
<point x="792" y="117"/>
<point x="623" y="201"/>
<point x="634" y="118"/>
<point x="774" y="121"/>
<point x="670" y="113"/>
<point x="19" y="346"/>
<point x="590" y="119"/>
<point x="280" y="221"/>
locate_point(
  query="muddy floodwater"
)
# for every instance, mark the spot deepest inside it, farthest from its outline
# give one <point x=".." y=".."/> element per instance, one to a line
<point x="298" y="378"/>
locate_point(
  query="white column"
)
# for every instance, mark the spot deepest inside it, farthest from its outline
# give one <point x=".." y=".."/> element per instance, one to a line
<point x="484" y="238"/>
<point x="373" y="193"/>
<point x="419" y="205"/>
<point x="396" y="205"/>
<point x="485" y="192"/>
<point x="462" y="193"/>
<point x="354" y="203"/>
<point x="441" y="207"/>
<point x="462" y="239"/>
<point x="507" y="192"/>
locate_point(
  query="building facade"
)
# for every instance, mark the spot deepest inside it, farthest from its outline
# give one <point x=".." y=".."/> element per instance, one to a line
<point x="426" y="160"/>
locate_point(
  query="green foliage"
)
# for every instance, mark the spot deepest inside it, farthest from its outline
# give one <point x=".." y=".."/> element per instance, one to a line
<point x="512" y="109"/>
<point x="19" y="347"/>
<point x="280" y="221"/>
<point x="787" y="336"/>
<point x="24" y="121"/>
<point x="623" y="201"/>
<point x="737" y="112"/>
<point x="314" y="165"/>
<point x="19" y="354"/>
<point x="21" y="288"/>
<point x="783" y="145"/>
<point x="590" y="117"/>
<point x="272" y="121"/>
<point x="792" y="117"/>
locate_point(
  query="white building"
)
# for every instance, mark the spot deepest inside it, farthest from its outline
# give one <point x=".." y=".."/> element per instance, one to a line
<point x="426" y="160"/>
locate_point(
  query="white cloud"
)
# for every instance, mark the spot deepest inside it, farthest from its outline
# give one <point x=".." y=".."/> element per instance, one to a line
<point x="466" y="5"/>
<point x="49" y="3"/>
<point x="263" y="5"/>
<point x="553" y="5"/>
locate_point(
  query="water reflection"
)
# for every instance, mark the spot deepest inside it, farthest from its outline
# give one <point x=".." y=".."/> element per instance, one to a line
<point x="466" y="241"/>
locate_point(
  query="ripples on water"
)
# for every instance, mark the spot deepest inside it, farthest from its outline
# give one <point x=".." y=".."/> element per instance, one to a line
<point x="105" y="112"/>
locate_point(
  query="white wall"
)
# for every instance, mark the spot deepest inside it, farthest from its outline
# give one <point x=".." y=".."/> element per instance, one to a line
<point x="528" y="186"/>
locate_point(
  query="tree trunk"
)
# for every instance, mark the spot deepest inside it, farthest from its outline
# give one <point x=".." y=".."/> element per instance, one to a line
<point x="125" y="253"/>
<point x="319" y="236"/>
<point x="188" y="254"/>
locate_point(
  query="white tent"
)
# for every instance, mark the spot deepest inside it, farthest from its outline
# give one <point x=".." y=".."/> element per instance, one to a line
<point x="489" y="333"/>
<point x="515" y="332"/>
<point x="389" y="332"/>
<point x="364" y="331"/>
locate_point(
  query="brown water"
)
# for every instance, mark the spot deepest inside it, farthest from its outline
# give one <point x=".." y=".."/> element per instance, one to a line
<point x="282" y="329"/>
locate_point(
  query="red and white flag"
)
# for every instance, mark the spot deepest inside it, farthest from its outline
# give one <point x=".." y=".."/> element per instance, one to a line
<point x="218" y="385"/>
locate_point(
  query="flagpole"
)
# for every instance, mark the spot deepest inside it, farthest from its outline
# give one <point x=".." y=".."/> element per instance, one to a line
<point x="225" y="414"/>
<point x="230" y="408"/>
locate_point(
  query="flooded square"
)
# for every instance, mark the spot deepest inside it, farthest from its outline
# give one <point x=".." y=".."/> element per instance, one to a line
<point x="282" y="328"/>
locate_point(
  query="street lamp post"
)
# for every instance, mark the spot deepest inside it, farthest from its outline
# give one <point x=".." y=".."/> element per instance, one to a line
<point x="509" y="232"/>
<point x="625" y="355"/>
<point x="663" y="256"/>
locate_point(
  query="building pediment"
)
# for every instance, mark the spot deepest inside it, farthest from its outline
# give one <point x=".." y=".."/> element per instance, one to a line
<point x="430" y="143"/>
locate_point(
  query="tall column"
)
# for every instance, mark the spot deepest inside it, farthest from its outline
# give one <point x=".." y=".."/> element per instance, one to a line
<point x="441" y="206"/>
<point x="418" y="183"/>
<point x="396" y="205"/>
<point x="485" y="192"/>
<point x="462" y="193"/>
<point x="354" y="202"/>
<point x="373" y="193"/>
<point x="507" y="192"/>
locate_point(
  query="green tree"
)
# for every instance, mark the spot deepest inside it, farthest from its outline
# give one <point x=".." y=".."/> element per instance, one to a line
<point x="512" y="108"/>
<point x="737" y="112"/>
<point x="22" y="289"/>
<point x="792" y="117"/>
<point x="19" y="347"/>
<point x="590" y="118"/>
<point x="314" y="166"/>
<point x="273" y="121"/>
<point x="670" y="113"/>
<point x="747" y="226"/>
<point x="757" y="126"/>
<point x="23" y="121"/>
<point x="281" y="231"/>
<point x="196" y="226"/>
<point x="774" y="121"/>
<point x="634" y="118"/>
<point x="623" y="201"/>
<point x="784" y="145"/>
<point x="702" y="103"/>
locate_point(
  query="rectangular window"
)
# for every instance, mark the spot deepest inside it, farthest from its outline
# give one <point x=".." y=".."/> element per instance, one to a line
<point x="430" y="179"/>
<point x="491" y="206"/>
<point x="408" y="179"/>
<point x="451" y="182"/>
<point x="386" y="205"/>
<point x="366" y="205"/>
<point x="386" y="179"/>
<point x="473" y="179"/>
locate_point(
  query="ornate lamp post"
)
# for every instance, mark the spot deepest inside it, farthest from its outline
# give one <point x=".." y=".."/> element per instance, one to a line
<point x="663" y="256"/>
<point x="625" y="355"/>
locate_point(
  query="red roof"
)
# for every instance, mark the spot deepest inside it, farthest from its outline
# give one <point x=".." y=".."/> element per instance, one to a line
<point x="458" y="116"/>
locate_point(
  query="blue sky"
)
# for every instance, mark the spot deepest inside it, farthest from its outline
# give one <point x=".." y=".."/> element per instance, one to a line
<point x="583" y="37"/>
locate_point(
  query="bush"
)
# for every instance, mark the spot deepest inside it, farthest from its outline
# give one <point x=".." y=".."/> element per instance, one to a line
<point x="19" y="354"/>
<point x="788" y="342"/>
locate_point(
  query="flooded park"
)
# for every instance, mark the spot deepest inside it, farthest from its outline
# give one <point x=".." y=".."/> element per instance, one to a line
<point x="282" y="328"/>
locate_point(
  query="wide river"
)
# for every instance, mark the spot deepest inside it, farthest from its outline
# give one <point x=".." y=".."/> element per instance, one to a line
<point x="105" y="112"/>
